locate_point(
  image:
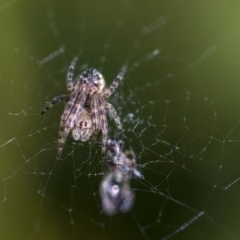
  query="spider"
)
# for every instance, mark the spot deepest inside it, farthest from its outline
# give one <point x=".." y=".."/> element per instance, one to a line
<point x="115" y="190"/>
<point x="85" y="111"/>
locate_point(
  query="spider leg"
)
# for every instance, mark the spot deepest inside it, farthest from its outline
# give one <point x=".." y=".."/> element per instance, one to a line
<point x="63" y="133"/>
<point x="75" y="82"/>
<point x="109" y="91"/>
<point x="113" y="113"/>
<point x="70" y="84"/>
<point x="93" y="140"/>
<point x="103" y="125"/>
<point x="71" y="113"/>
<point x="74" y="107"/>
<point x="104" y="140"/>
<point x="54" y="102"/>
<point x="95" y="112"/>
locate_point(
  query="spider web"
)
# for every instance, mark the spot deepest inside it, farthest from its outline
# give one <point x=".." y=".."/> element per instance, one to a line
<point x="179" y="105"/>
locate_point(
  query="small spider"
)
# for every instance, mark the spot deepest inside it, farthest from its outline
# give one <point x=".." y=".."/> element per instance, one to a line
<point x="85" y="112"/>
<point x="115" y="190"/>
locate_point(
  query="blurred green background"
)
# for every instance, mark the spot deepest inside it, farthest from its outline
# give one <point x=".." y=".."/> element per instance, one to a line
<point x="179" y="105"/>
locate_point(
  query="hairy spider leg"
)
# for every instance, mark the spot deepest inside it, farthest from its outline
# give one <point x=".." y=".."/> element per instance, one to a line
<point x="63" y="133"/>
<point x="113" y="113"/>
<point x="55" y="101"/>
<point x="74" y="107"/>
<point x="70" y="87"/>
<point x="99" y="120"/>
<point x="103" y="124"/>
<point x="70" y="84"/>
<point x="94" y="138"/>
<point x="70" y="114"/>
<point x="109" y="91"/>
<point x="94" y="106"/>
<point x="72" y="117"/>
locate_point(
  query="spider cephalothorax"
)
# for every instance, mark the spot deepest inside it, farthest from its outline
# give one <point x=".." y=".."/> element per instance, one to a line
<point x="85" y="112"/>
<point x="94" y="81"/>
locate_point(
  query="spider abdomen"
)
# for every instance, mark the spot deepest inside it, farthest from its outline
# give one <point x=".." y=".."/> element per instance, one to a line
<point x="82" y="127"/>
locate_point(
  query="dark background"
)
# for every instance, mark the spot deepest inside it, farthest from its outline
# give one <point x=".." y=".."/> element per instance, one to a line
<point x="179" y="105"/>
